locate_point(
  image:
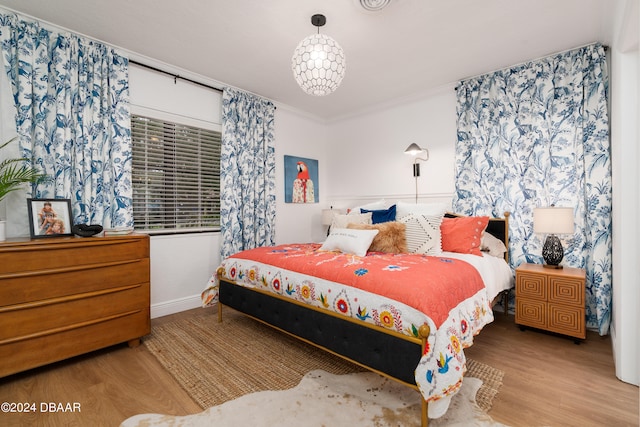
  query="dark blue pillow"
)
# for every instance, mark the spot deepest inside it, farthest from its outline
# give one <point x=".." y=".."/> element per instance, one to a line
<point x="382" y="215"/>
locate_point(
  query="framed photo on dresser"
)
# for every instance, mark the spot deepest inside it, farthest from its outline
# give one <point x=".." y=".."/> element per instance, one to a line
<point x="49" y="217"/>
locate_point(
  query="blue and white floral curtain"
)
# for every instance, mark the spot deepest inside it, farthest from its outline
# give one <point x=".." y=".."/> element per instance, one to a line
<point x="72" y="101"/>
<point x="535" y="135"/>
<point x="247" y="172"/>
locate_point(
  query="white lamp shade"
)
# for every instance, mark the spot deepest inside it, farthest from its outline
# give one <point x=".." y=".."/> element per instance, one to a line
<point x="413" y="149"/>
<point x="553" y="220"/>
<point x="327" y="216"/>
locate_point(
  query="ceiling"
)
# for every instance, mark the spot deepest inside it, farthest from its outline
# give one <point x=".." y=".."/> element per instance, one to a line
<point x="409" y="49"/>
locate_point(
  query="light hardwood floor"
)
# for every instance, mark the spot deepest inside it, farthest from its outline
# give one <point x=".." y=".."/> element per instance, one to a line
<point x="549" y="381"/>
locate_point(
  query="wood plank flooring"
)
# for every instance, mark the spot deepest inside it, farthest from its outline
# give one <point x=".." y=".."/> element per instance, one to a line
<point x="549" y="381"/>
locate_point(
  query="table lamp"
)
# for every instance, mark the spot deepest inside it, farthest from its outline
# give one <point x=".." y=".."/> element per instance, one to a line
<point x="553" y="221"/>
<point x="327" y="218"/>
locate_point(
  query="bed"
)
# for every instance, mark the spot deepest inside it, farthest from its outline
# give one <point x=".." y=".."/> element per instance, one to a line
<point x="405" y="315"/>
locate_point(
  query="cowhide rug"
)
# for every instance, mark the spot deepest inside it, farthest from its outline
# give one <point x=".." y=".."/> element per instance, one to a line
<point x="323" y="399"/>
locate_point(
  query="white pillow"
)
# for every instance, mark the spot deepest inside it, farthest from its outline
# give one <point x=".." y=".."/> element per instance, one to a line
<point x="423" y="233"/>
<point x="491" y="244"/>
<point x="342" y="221"/>
<point x="349" y="241"/>
<point x="433" y="209"/>
<point x="374" y="206"/>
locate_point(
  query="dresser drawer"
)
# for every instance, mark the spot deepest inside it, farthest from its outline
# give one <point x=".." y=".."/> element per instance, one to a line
<point x="43" y="349"/>
<point x="47" y="317"/>
<point x="67" y="281"/>
<point x="65" y="252"/>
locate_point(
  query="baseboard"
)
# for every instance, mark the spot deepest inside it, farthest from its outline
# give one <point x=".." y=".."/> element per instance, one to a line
<point x="175" y="306"/>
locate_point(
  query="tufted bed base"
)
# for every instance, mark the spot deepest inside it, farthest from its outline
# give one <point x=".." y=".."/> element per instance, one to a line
<point x="392" y="355"/>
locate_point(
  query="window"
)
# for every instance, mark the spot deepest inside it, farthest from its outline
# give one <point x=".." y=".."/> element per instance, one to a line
<point x="176" y="176"/>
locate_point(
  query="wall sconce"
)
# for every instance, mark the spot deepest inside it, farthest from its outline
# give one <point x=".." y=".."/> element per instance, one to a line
<point x="414" y="149"/>
<point x="552" y="221"/>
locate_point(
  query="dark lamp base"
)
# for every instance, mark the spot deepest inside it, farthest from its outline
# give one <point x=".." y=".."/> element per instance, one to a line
<point x="556" y="267"/>
<point x="552" y="252"/>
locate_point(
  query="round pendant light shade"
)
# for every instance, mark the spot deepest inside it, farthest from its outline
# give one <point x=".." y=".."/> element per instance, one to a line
<point x="374" y="5"/>
<point x="318" y="62"/>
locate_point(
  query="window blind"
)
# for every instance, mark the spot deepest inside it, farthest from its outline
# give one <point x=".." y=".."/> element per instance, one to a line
<point x="176" y="176"/>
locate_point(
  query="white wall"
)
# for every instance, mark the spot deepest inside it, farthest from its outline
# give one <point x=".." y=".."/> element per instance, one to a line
<point x="301" y="136"/>
<point x="625" y="138"/>
<point x="181" y="264"/>
<point x="367" y="157"/>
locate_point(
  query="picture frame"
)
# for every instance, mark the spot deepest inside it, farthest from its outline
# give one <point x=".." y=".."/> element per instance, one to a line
<point x="301" y="184"/>
<point x="49" y="217"/>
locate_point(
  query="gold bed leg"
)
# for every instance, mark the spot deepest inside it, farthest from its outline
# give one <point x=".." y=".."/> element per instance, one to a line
<point x="219" y="312"/>
<point x="425" y="414"/>
<point x="423" y="333"/>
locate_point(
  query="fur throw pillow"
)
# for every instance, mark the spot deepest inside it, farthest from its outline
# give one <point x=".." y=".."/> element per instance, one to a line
<point x="391" y="237"/>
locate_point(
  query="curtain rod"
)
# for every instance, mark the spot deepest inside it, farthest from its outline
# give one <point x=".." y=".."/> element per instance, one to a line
<point x="604" y="46"/>
<point x="175" y="76"/>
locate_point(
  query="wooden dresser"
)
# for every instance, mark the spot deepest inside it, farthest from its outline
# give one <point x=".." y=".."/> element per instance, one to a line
<point x="551" y="299"/>
<point x="64" y="296"/>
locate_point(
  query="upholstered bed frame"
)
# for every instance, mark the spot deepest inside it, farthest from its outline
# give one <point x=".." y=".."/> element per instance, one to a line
<point x="375" y="348"/>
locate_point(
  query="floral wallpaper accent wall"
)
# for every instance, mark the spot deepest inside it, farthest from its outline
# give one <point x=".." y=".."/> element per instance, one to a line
<point x="534" y="135"/>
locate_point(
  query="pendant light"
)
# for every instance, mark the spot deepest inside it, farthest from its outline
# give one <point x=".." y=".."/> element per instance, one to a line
<point x="318" y="62"/>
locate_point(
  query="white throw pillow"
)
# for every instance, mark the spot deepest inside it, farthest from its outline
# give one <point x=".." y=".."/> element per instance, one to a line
<point x="342" y="221"/>
<point x="349" y="241"/>
<point x="491" y="244"/>
<point x="374" y="206"/>
<point x="423" y="233"/>
<point x="434" y="209"/>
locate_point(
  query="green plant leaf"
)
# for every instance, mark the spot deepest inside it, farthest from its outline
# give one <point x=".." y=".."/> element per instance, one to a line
<point x="16" y="172"/>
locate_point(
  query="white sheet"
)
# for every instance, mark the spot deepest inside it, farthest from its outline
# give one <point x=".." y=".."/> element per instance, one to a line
<point x="495" y="272"/>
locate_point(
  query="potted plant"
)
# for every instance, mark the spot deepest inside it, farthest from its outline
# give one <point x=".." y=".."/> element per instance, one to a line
<point x="14" y="173"/>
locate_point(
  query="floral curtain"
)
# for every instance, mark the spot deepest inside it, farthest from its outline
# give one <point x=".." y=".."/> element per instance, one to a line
<point x="247" y="172"/>
<point x="535" y="135"/>
<point x="72" y="101"/>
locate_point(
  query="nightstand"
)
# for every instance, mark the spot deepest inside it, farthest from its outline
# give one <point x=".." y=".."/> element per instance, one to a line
<point x="551" y="299"/>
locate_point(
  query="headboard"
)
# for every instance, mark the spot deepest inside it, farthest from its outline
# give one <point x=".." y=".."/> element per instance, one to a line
<point x="498" y="227"/>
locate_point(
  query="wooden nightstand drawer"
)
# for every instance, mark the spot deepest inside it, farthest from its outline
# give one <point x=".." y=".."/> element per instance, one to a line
<point x="531" y="312"/>
<point x="531" y="286"/>
<point x="566" y="320"/>
<point x="564" y="290"/>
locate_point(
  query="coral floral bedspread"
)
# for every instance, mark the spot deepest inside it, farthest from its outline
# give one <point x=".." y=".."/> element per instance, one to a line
<point x="399" y="292"/>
